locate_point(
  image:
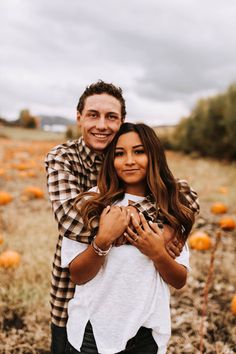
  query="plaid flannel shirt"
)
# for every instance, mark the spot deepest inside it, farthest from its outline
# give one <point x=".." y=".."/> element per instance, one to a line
<point x="73" y="168"/>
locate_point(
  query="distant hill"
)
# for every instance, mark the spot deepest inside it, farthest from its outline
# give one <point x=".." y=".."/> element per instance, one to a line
<point x="55" y="120"/>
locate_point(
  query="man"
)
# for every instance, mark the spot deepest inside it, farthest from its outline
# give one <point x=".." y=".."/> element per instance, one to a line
<point x="73" y="168"/>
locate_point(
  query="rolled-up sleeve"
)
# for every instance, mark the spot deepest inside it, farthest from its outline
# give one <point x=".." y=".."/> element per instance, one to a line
<point x="190" y="194"/>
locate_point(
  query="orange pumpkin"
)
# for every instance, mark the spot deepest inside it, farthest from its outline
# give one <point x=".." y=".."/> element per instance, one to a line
<point x="219" y="208"/>
<point x="33" y="192"/>
<point x="223" y="190"/>
<point x="31" y="174"/>
<point x="9" y="259"/>
<point x="233" y="305"/>
<point x="227" y="223"/>
<point x="2" y="172"/>
<point x="5" y="198"/>
<point x="200" y="241"/>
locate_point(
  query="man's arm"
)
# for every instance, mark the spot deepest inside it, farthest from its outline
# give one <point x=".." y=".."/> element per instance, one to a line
<point x="63" y="188"/>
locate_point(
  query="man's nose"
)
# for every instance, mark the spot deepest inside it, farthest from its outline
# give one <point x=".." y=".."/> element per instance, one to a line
<point x="101" y="123"/>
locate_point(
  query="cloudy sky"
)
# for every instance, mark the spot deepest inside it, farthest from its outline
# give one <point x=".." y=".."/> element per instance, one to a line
<point x="164" y="54"/>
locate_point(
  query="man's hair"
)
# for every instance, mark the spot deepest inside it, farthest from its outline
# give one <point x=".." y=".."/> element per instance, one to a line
<point x="99" y="88"/>
<point x="160" y="182"/>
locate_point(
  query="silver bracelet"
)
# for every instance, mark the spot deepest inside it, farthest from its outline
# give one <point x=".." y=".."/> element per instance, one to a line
<point x="99" y="251"/>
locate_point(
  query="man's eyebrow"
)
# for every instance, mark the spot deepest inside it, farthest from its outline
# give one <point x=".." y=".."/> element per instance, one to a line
<point x="95" y="111"/>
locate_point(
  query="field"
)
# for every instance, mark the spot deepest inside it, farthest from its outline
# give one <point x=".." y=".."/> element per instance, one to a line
<point x="28" y="227"/>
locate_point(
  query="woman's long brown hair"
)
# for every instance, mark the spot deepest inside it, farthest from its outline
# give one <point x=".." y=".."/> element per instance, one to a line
<point x="161" y="184"/>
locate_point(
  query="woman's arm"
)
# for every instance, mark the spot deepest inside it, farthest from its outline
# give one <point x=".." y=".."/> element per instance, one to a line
<point x="86" y="265"/>
<point x="151" y="242"/>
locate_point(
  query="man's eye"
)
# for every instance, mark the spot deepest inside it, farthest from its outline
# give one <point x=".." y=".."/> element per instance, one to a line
<point x="112" y="117"/>
<point x="93" y="115"/>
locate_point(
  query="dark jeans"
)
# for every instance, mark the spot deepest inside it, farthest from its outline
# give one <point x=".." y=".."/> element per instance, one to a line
<point x="141" y="343"/>
<point x="58" y="339"/>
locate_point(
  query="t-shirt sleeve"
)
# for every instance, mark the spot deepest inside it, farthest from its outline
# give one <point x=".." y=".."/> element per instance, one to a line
<point x="183" y="258"/>
<point x="69" y="250"/>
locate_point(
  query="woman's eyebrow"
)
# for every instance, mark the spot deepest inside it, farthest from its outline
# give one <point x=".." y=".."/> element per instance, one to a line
<point x="133" y="147"/>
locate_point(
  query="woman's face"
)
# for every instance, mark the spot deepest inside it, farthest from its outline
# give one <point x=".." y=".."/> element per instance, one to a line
<point x="131" y="163"/>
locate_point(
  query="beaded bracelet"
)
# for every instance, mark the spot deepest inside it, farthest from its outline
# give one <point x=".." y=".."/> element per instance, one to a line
<point x="99" y="251"/>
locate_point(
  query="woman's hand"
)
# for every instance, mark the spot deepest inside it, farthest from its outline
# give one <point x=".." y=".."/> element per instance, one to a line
<point x="122" y="240"/>
<point x="113" y="222"/>
<point x="148" y="241"/>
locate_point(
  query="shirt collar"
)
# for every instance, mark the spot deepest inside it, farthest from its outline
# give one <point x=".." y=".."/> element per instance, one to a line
<point x="91" y="156"/>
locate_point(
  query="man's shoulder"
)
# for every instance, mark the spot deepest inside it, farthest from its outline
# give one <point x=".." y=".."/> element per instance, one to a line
<point x="184" y="186"/>
<point x="70" y="147"/>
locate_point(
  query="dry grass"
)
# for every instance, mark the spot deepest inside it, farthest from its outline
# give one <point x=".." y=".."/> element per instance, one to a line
<point x="29" y="228"/>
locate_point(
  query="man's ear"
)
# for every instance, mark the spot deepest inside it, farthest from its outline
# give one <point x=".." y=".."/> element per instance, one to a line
<point x="78" y="118"/>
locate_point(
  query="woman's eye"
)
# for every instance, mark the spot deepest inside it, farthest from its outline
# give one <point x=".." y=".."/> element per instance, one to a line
<point x="118" y="153"/>
<point x="138" y="152"/>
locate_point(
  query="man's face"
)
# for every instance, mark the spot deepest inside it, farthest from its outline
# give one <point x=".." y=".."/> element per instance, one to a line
<point x="100" y="121"/>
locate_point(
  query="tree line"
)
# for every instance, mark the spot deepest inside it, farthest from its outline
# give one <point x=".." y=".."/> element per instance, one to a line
<point x="210" y="129"/>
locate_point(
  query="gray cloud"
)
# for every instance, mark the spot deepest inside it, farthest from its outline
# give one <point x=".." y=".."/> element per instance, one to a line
<point x="164" y="54"/>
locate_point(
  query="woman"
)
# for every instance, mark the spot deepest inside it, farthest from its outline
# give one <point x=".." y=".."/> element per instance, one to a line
<point x="121" y="303"/>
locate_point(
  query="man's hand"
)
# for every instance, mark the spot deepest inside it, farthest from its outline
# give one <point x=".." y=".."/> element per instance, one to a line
<point x="173" y="245"/>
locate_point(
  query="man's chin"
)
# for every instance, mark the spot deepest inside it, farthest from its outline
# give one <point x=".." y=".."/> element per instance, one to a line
<point x="99" y="147"/>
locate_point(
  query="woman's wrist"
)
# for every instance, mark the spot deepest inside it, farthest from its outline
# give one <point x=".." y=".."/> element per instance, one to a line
<point x="101" y="249"/>
<point x="102" y="243"/>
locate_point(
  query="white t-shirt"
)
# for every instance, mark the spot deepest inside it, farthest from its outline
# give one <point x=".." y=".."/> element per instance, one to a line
<point x="127" y="293"/>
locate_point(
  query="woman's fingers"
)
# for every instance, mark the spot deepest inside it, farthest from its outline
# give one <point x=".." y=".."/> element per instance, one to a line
<point x="154" y="227"/>
<point x="131" y="237"/>
<point x="144" y="222"/>
<point x="136" y="225"/>
<point x="127" y="214"/>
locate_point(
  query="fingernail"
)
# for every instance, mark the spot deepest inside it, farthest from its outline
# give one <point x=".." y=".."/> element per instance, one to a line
<point x="150" y="222"/>
<point x="125" y="234"/>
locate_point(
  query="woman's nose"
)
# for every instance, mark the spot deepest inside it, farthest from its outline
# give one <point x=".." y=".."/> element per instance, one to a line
<point x="130" y="159"/>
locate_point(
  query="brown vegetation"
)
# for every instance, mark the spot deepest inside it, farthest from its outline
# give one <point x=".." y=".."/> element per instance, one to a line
<point x="27" y="227"/>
